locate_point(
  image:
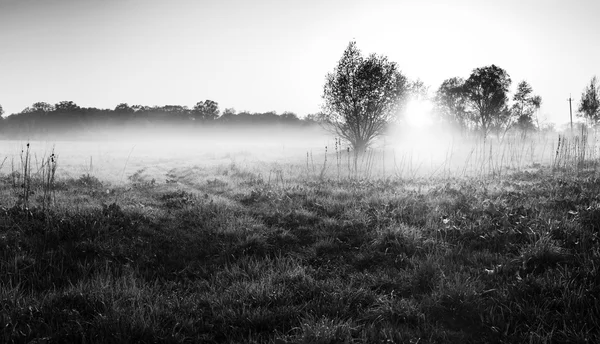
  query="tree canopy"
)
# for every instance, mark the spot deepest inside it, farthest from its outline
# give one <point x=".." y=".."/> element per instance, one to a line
<point x="589" y="105"/>
<point x="487" y="97"/>
<point x="451" y="103"/>
<point x="362" y="96"/>
<point x="524" y="106"/>
<point x="206" y="111"/>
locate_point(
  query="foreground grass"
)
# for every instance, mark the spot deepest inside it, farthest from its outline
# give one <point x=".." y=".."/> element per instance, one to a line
<point x="237" y="259"/>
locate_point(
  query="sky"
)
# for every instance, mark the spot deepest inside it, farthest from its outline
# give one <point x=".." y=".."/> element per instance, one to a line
<point x="273" y="55"/>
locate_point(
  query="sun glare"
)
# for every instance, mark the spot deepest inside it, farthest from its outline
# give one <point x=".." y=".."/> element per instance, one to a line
<point x="418" y="113"/>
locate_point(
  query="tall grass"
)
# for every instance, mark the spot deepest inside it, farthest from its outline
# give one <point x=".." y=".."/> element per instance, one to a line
<point x="25" y="182"/>
<point x="25" y="176"/>
<point x="576" y="152"/>
<point x="477" y="158"/>
<point x="48" y="176"/>
<point x="348" y="249"/>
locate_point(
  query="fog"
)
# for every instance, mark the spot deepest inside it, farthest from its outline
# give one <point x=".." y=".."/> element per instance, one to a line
<point x="113" y="155"/>
<point x="434" y="152"/>
<point x="164" y="155"/>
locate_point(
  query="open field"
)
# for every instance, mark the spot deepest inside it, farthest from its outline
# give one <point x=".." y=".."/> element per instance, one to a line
<point x="259" y="242"/>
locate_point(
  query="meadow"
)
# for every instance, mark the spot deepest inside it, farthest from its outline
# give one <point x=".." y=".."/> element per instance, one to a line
<point x="246" y="238"/>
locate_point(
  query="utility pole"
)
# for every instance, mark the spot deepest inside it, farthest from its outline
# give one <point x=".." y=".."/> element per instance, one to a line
<point x="571" y="112"/>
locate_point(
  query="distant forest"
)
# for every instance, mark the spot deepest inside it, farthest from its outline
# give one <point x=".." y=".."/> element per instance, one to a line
<point x="68" y="120"/>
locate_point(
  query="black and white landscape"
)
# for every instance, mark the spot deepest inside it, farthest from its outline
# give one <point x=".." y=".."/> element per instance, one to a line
<point x="299" y="171"/>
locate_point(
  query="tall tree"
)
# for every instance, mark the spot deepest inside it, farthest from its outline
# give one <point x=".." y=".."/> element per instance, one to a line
<point x="207" y="110"/>
<point x="524" y="107"/>
<point x="451" y="103"/>
<point x="589" y="105"/>
<point x="362" y="96"/>
<point x="487" y="94"/>
<point x="1" y="111"/>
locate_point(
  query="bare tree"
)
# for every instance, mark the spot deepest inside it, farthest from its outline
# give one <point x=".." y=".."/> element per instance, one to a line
<point x="362" y="96"/>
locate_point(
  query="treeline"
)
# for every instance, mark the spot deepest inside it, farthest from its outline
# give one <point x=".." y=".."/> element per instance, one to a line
<point x="68" y="119"/>
<point x="482" y="102"/>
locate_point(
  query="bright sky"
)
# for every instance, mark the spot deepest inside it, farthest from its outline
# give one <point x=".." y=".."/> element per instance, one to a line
<point x="273" y="55"/>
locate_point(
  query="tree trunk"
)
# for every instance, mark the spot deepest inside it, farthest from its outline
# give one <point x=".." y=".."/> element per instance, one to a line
<point x="360" y="147"/>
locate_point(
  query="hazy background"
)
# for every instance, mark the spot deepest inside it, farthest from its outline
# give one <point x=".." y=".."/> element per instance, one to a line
<point x="274" y="55"/>
<point x="169" y="153"/>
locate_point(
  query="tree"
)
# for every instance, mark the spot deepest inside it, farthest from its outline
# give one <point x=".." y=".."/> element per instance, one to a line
<point x="229" y="114"/>
<point x="362" y="96"/>
<point x="174" y="109"/>
<point x="1" y="111"/>
<point x="124" y="108"/>
<point x="42" y="107"/>
<point x="589" y="105"/>
<point x="417" y="89"/>
<point x="526" y="104"/>
<point x="172" y="113"/>
<point x="207" y="110"/>
<point x="140" y="108"/>
<point x="451" y="103"/>
<point x="319" y="118"/>
<point x="38" y="108"/>
<point x="66" y="106"/>
<point x="486" y="90"/>
<point x="289" y="117"/>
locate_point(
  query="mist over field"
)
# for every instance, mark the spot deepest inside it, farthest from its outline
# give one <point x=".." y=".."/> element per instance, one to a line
<point x="393" y="219"/>
<point x="255" y="234"/>
<point x="299" y="172"/>
<point x="112" y="155"/>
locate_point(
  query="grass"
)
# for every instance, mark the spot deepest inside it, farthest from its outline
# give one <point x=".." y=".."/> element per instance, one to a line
<point x="292" y="254"/>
